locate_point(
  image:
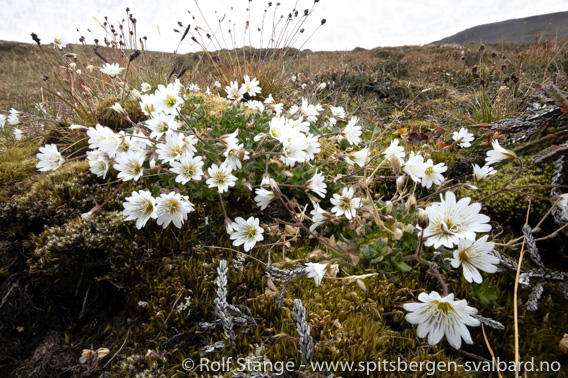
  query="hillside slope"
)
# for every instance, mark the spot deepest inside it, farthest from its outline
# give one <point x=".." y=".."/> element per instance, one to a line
<point x="548" y="27"/>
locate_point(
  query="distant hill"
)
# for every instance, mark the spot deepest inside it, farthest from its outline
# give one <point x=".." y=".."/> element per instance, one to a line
<point x="547" y="27"/>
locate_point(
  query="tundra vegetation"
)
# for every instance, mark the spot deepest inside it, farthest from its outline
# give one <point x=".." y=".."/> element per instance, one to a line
<point x="271" y="203"/>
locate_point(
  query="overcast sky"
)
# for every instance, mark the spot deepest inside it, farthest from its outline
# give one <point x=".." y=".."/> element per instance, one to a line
<point x="350" y="24"/>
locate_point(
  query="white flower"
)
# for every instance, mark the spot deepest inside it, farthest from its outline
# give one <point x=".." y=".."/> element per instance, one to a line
<point x="269" y="99"/>
<point x="59" y="42"/>
<point x="293" y="109"/>
<point x="337" y="112"/>
<point x="414" y="166"/>
<point x="394" y="150"/>
<point x="315" y="271"/>
<point x="264" y="197"/>
<point x="233" y="91"/>
<point x="312" y="146"/>
<point x="278" y="128"/>
<point x="230" y="139"/>
<point x="18" y="134"/>
<point x="105" y="139"/>
<point x="319" y="216"/>
<point x="217" y="84"/>
<point x="112" y="70"/>
<point x="463" y="137"/>
<point x="479" y="174"/>
<point x="437" y="316"/>
<point x="294" y="148"/>
<point x="331" y="122"/>
<point x="452" y="221"/>
<point x="172" y="207"/>
<point x="49" y="158"/>
<point x="352" y="131"/>
<point x="99" y="163"/>
<point x="278" y="108"/>
<point x="255" y="105"/>
<point x="193" y="88"/>
<point x="162" y="124"/>
<point x="309" y="111"/>
<point x="14" y="117"/>
<point x="317" y="185"/>
<point x="345" y="204"/>
<point x="250" y="86"/>
<point x="2" y="120"/>
<point x="188" y="168"/>
<point x="176" y="145"/>
<point x="147" y="104"/>
<point x="221" y="178"/>
<point x="498" y="154"/>
<point x="130" y="165"/>
<point x="433" y="173"/>
<point x="145" y="87"/>
<point x="140" y="206"/>
<point x="40" y="108"/>
<point x="475" y="256"/>
<point x="167" y="99"/>
<point x="246" y="232"/>
<point x="233" y="160"/>
<point x="360" y="157"/>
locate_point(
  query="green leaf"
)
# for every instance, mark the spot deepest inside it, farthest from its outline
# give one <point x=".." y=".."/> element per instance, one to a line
<point x="485" y="294"/>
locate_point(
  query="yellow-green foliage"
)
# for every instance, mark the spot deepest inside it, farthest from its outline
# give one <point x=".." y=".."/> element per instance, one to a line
<point x="17" y="163"/>
<point x="108" y="117"/>
<point x="510" y="208"/>
<point x="215" y="106"/>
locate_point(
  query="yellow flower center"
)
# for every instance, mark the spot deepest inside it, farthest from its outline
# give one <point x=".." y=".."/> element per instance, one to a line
<point x="251" y="231"/>
<point x="170" y="101"/>
<point x="189" y="170"/>
<point x="172" y="205"/>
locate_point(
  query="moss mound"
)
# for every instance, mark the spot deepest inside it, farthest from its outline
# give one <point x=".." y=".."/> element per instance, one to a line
<point x="108" y="117"/>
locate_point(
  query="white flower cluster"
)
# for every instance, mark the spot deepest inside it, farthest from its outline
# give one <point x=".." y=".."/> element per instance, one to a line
<point x="455" y="224"/>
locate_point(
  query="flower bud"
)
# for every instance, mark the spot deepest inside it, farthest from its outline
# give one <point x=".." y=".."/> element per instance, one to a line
<point x="411" y="203"/>
<point x="78" y="127"/>
<point x="119" y="109"/>
<point x="135" y="93"/>
<point x="400" y="184"/>
<point x="398" y="234"/>
<point x="265" y="180"/>
<point x="229" y="226"/>
<point x="396" y="164"/>
<point x="423" y="219"/>
<point x="241" y="153"/>
<point x="388" y="207"/>
<point x="153" y="160"/>
<point x="409" y="228"/>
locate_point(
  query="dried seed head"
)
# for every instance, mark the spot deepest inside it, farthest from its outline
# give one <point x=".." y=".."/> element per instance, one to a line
<point x="35" y="38"/>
